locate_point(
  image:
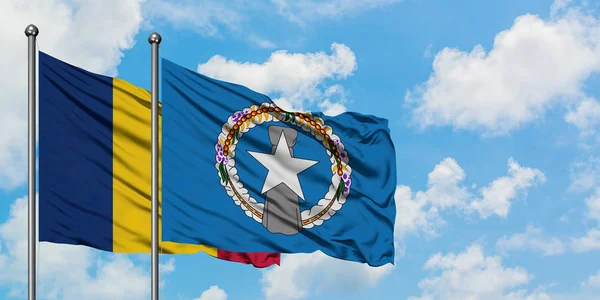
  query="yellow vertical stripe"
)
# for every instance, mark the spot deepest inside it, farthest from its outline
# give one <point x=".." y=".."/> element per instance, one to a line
<point x="132" y="177"/>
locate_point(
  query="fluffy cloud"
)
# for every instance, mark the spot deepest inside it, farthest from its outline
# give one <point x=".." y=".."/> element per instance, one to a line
<point x="333" y="104"/>
<point x="558" y="6"/>
<point x="205" y="17"/>
<point x="69" y="30"/>
<point x="532" y="239"/>
<point x="536" y="295"/>
<point x="213" y="293"/>
<point x="415" y="213"/>
<point x="302" y="11"/>
<point x="498" y="91"/>
<point x="589" y="242"/>
<point x="585" y="174"/>
<point x="168" y="266"/>
<point x="301" y="274"/>
<point x="593" y="282"/>
<point x="472" y="275"/>
<point x="586" y="116"/>
<point x="68" y="272"/>
<point x="419" y="211"/>
<point x="296" y="78"/>
<point x="495" y="198"/>
<point x="593" y="206"/>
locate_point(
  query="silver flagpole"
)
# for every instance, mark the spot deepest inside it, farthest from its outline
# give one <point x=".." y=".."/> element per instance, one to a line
<point x="154" y="40"/>
<point x="31" y="32"/>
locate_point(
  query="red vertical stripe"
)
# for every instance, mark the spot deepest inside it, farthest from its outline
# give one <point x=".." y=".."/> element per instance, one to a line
<point x="257" y="259"/>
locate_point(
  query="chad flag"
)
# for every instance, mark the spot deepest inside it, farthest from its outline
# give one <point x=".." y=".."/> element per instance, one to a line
<point x="95" y="165"/>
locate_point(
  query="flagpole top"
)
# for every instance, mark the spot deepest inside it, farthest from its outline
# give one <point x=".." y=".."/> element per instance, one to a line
<point x="154" y="38"/>
<point x="32" y="30"/>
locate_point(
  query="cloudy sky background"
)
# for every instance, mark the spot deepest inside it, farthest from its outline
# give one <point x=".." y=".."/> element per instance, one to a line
<point x="492" y="107"/>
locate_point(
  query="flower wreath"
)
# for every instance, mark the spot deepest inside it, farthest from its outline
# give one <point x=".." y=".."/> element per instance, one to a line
<point x="242" y="121"/>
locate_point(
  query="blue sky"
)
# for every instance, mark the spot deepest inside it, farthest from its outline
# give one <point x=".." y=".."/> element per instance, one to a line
<point x="492" y="108"/>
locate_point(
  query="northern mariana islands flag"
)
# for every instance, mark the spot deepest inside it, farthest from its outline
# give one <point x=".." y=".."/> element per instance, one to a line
<point x="242" y="174"/>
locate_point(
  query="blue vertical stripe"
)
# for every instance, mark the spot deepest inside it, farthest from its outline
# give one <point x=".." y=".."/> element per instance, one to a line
<point x="75" y="155"/>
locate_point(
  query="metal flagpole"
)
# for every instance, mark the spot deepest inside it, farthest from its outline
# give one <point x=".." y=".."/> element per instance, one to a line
<point x="154" y="40"/>
<point x="31" y="32"/>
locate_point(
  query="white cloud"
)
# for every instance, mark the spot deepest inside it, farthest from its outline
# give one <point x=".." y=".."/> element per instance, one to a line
<point x="213" y="293"/>
<point x="419" y="211"/>
<point x="167" y="267"/>
<point x="593" y="205"/>
<point x="69" y="30"/>
<point x="261" y="42"/>
<point x="559" y="6"/>
<point x="524" y="295"/>
<point x="296" y="78"/>
<point x="586" y="116"/>
<point x="66" y="271"/>
<point x="301" y="275"/>
<point x="203" y="16"/>
<point x="593" y="282"/>
<point x="472" y="275"/>
<point x="334" y="100"/>
<point x="428" y="51"/>
<point x="532" y="239"/>
<point x="498" y="91"/>
<point x="589" y="242"/>
<point x="585" y="174"/>
<point x="496" y="196"/>
<point x="331" y="109"/>
<point x="415" y="214"/>
<point x="301" y="11"/>
<point x="444" y="189"/>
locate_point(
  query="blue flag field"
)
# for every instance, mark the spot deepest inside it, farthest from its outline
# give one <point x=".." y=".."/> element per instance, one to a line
<point x="242" y="174"/>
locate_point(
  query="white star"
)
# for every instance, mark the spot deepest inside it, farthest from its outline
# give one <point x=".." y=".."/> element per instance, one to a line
<point x="283" y="168"/>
